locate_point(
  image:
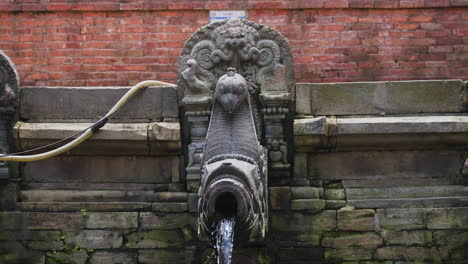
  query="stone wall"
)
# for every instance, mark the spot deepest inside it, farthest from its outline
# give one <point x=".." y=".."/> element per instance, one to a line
<point x="89" y="43"/>
<point x="385" y="185"/>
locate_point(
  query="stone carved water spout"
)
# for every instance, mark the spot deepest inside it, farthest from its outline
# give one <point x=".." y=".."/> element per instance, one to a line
<point x="236" y="81"/>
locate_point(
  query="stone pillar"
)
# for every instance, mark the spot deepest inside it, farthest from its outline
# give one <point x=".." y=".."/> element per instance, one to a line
<point x="197" y="115"/>
<point x="275" y="110"/>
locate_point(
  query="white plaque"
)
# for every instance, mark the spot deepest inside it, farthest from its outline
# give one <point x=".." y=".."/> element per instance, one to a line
<point x="216" y="16"/>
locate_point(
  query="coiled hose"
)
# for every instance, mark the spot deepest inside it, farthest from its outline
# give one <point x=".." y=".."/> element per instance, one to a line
<point x="89" y="131"/>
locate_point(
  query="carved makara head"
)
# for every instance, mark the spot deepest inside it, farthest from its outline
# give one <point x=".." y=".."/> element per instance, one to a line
<point x="231" y="90"/>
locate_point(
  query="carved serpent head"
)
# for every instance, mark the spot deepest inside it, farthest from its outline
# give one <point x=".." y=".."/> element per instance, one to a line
<point x="231" y="90"/>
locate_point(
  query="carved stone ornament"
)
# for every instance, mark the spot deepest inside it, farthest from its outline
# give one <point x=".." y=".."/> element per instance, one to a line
<point x="258" y="53"/>
<point x="9" y="84"/>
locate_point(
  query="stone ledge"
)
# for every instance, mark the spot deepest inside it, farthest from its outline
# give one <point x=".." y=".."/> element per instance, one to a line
<point x="123" y="138"/>
<point x="68" y="103"/>
<point x="375" y="133"/>
<point x="370" y="98"/>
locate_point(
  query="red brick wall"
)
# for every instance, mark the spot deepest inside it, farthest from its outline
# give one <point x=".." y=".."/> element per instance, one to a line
<point x="82" y="43"/>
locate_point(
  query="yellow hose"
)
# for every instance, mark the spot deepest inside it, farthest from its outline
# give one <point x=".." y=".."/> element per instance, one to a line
<point x="89" y="132"/>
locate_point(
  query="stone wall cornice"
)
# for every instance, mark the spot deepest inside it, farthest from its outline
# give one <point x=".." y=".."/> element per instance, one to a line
<point x="145" y="5"/>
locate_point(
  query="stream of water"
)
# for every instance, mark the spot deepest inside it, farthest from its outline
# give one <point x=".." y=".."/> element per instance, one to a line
<point x="225" y="240"/>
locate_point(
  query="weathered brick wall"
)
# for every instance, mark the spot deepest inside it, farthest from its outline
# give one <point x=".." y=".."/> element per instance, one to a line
<point x="112" y="43"/>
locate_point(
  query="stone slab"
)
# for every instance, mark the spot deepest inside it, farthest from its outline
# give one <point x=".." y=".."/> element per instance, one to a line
<point x="364" y="98"/>
<point x="120" y="220"/>
<point x="66" y="103"/>
<point x="344" y="240"/>
<point x="406" y="192"/>
<point x="412" y="237"/>
<point x="67" y="169"/>
<point x="379" y="133"/>
<point x="447" y="218"/>
<point x="312" y="205"/>
<point x="167" y="220"/>
<point x="94" y="239"/>
<point x="122" y="138"/>
<point x="104" y="257"/>
<point x="401" y="219"/>
<point x="356" y="220"/>
<point x="430" y="202"/>
<point x="403" y="124"/>
<point x="323" y="221"/>
<point x="78" y="206"/>
<point x="40" y="221"/>
<point x="385" y="165"/>
<point x="86" y="196"/>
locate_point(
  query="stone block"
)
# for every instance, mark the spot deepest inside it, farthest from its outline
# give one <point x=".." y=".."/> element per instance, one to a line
<point x="323" y="221"/>
<point x="167" y="221"/>
<point x="335" y="204"/>
<point x="31" y="235"/>
<point x="335" y="194"/>
<point x="157" y="239"/>
<point x="407" y="238"/>
<point x="449" y="241"/>
<point x="291" y="254"/>
<point x="356" y="220"/>
<point x="401" y="219"/>
<point x="407" y="253"/>
<point x="62" y="257"/>
<point x="343" y="240"/>
<point x="94" y="102"/>
<point x="120" y="220"/>
<point x="103" y="257"/>
<point x="300" y="165"/>
<point x="174" y="197"/>
<point x="166" y="256"/>
<point x="385" y="164"/>
<point x="339" y="255"/>
<point x="94" y="239"/>
<point x="169" y="207"/>
<point x="280" y="198"/>
<point x="44" y="245"/>
<point x="192" y="203"/>
<point x="306" y="193"/>
<point x="297" y="239"/>
<point x="447" y="218"/>
<point x="311" y="205"/>
<point x="366" y="98"/>
<point x="40" y="221"/>
<point x="100" y="169"/>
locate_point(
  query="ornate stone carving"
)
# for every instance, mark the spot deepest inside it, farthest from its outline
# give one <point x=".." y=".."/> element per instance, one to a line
<point x="259" y="54"/>
<point x="234" y="163"/>
<point x="9" y="83"/>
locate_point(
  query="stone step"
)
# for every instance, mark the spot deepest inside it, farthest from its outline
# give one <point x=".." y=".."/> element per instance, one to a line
<point x="86" y="196"/>
<point x="434" y="202"/>
<point x="399" y="182"/>
<point x="96" y="186"/>
<point x="405" y="192"/>
<point x="88" y="206"/>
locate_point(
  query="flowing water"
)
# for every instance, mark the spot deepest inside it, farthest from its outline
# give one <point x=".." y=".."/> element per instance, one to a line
<point x="225" y="240"/>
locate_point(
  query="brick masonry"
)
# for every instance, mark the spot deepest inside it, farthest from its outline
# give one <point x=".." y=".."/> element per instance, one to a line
<point x="112" y="43"/>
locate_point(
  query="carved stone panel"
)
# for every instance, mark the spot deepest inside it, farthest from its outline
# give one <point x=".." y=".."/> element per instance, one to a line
<point x="9" y="84"/>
